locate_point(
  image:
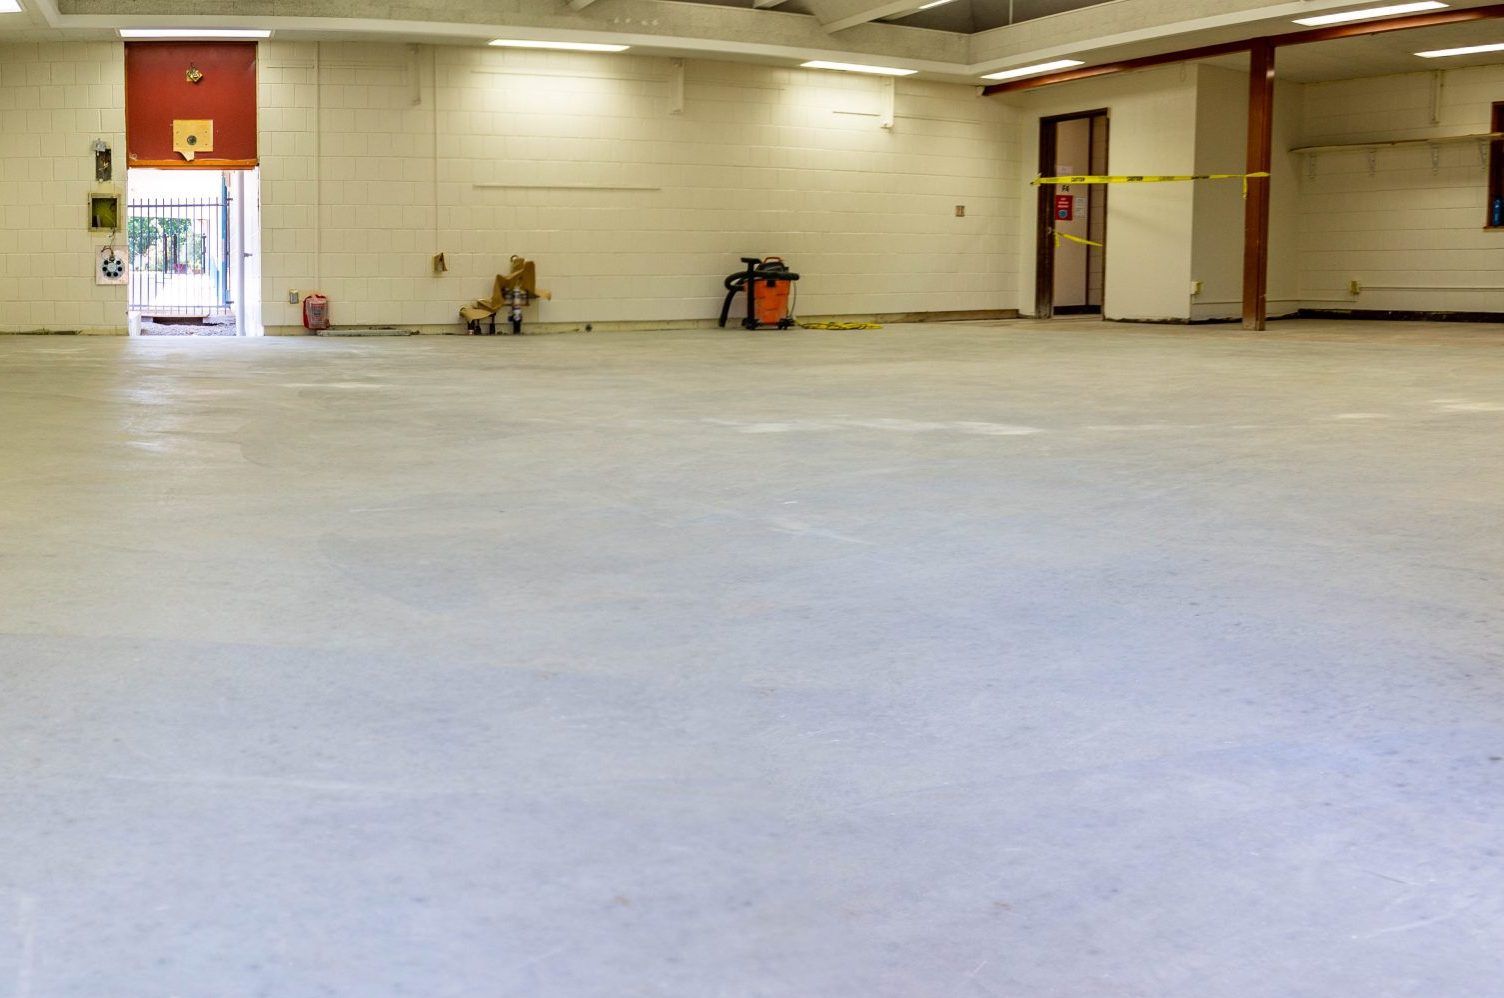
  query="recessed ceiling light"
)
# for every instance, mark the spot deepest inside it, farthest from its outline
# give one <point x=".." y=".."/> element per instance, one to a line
<point x="1359" y="15"/>
<point x="10" y="6"/>
<point x="932" y="3"/>
<point x="517" y="43"/>
<point x="194" y="33"/>
<point x="1469" y="50"/>
<point x="1043" y="67"/>
<point x="851" y="67"/>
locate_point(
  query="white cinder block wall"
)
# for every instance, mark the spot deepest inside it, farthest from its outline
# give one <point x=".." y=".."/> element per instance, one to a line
<point x="55" y="100"/>
<point x="1410" y="230"/>
<point x="377" y="157"/>
<point x="633" y="210"/>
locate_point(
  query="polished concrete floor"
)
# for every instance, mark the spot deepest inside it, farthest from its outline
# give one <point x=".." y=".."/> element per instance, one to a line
<point x="932" y="662"/>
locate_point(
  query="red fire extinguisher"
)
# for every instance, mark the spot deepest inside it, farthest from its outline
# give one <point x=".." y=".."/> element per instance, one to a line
<point x="316" y="312"/>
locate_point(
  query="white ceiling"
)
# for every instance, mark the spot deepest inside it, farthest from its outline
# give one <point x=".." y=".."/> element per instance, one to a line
<point x="905" y="45"/>
<point x="1381" y="55"/>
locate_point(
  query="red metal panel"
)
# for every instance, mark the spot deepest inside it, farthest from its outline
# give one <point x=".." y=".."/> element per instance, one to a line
<point x="157" y="92"/>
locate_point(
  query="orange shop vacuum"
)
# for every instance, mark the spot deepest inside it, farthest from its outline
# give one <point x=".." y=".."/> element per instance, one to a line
<point x="767" y="284"/>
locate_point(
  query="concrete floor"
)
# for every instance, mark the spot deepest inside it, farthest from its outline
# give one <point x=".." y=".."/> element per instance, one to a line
<point x="993" y="660"/>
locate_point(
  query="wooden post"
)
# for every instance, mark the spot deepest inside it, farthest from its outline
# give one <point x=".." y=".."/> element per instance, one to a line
<point x="1256" y="206"/>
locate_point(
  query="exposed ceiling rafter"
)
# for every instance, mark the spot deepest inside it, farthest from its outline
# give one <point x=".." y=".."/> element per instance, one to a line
<point x="838" y="15"/>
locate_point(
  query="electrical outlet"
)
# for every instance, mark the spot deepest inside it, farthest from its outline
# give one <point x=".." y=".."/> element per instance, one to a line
<point x="1353" y="288"/>
<point x="960" y="211"/>
<point x="1195" y="288"/>
<point x="292" y="297"/>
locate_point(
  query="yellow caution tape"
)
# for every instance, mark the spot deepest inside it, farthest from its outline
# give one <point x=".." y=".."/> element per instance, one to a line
<point x="1127" y="179"/>
<point x="1076" y="239"/>
<point x="839" y="325"/>
<point x="1147" y="179"/>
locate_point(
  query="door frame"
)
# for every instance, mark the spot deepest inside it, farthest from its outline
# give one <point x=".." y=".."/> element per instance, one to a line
<point x="1044" y="243"/>
<point x="246" y="221"/>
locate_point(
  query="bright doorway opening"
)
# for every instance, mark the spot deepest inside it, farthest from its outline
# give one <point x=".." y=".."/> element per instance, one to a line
<point x="193" y="238"/>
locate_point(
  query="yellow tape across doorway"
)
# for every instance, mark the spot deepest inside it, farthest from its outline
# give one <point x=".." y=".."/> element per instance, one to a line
<point x="1147" y="179"/>
<point x="1076" y="239"/>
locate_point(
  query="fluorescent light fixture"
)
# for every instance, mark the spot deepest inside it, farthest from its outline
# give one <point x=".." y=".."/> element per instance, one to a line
<point x="194" y="33"/>
<point x="14" y="6"/>
<point x="1043" y="67"/>
<point x="517" y="43"/>
<point x="852" y="67"/>
<point x="932" y="3"/>
<point x="1469" y="50"/>
<point x="1360" y="15"/>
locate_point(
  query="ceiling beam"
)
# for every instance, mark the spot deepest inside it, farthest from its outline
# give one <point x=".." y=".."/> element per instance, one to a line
<point x="1138" y="26"/>
<point x="1410" y="23"/>
<point x="1114" y="68"/>
<point x="838" y="15"/>
<point x="1332" y="33"/>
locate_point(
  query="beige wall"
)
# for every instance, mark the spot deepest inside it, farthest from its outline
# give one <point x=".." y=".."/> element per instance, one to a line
<point x="1410" y="230"/>
<point x="55" y="100"/>
<point x="371" y="163"/>
<point x="632" y="211"/>
<point x="375" y="157"/>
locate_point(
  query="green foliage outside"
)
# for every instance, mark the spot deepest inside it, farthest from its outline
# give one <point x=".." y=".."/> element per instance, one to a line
<point x="167" y="233"/>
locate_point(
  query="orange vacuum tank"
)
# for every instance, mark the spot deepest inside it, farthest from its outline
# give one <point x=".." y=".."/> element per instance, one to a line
<point x="766" y="284"/>
<point x="772" y="297"/>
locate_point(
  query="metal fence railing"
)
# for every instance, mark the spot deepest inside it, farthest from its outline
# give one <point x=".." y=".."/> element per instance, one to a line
<point x="178" y="255"/>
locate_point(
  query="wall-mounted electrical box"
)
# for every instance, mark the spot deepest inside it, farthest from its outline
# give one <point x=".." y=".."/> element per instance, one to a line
<point x="104" y="169"/>
<point x="104" y="212"/>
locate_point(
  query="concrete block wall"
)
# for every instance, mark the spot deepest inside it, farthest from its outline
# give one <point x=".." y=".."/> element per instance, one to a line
<point x="55" y="100"/>
<point x="347" y="182"/>
<point x="375" y="157"/>
<point x="1410" y="230"/>
<point x="633" y="210"/>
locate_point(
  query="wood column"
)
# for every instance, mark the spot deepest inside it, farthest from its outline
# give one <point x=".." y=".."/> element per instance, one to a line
<point x="1256" y="205"/>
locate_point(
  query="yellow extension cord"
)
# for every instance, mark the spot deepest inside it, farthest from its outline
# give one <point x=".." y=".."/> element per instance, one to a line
<point x="837" y="325"/>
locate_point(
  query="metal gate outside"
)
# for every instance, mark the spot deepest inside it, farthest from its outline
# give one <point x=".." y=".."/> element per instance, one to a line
<point x="179" y="259"/>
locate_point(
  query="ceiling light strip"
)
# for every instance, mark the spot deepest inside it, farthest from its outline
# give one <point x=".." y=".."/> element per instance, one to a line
<point x="851" y="67"/>
<point x="524" y="43"/>
<point x="1466" y="50"/>
<point x="192" y="33"/>
<point x="1043" y="67"/>
<point x="1361" y="15"/>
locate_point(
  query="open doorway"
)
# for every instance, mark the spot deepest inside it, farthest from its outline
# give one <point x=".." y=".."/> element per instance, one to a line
<point x="191" y="238"/>
<point x="1070" y="272"/>
<point x="193" y="192"/>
